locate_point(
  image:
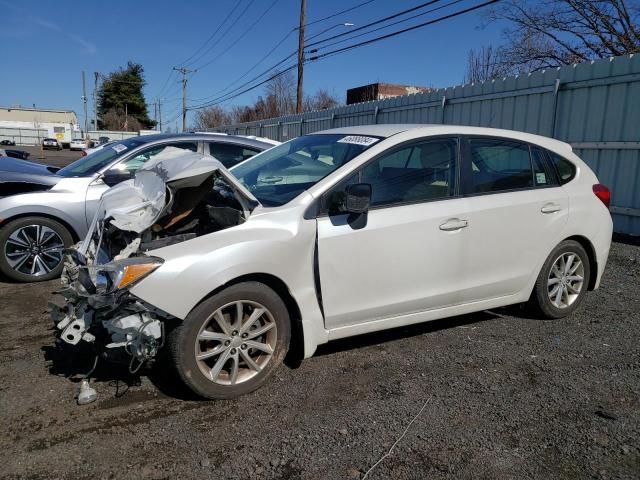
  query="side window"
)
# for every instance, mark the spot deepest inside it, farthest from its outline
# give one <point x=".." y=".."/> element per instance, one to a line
<point x="499" y="165"/>
<point x="134" y="163"/>
<point x="229" y="154"/>
<point x="564" y="168"/>
<point x="420" y="172"/>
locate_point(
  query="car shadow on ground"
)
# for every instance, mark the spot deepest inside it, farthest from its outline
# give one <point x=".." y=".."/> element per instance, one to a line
<point x="74" y="362"/>
<point x="384" y="336"/>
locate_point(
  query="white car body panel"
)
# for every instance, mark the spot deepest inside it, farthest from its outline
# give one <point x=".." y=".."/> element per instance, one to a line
<point x="401" y="242"/>
<point x="369" y="277"/>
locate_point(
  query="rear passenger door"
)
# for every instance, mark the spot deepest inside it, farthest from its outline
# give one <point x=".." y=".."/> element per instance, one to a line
<point x="517" y="211"/>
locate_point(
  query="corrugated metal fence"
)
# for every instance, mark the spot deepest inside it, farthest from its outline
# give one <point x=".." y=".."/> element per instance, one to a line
<point x="23" y="136"/>
<point x="593" y="106"/>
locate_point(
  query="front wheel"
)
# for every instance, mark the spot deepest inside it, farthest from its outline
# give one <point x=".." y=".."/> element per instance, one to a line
<point x="562" y="282"/>
<point x="232" y="342"/>
<point x="31" y="249"/>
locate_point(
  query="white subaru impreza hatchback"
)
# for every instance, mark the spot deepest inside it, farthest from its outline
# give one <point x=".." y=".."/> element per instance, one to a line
<point x="330" y="235"/>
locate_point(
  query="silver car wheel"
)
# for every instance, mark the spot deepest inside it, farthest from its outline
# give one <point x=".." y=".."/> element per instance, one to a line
<point x="565" y="280"/>
<point x="34" y="250"/>
<point x="236" y="342"/>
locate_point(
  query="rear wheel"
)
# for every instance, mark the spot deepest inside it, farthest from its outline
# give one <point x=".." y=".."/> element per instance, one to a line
<point x="31" y="249"/>
<point x="231" y="343"/>
<point x="562" y="282"/>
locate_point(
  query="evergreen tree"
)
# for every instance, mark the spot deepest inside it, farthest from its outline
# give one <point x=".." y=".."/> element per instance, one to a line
<point x="121" y="102"/>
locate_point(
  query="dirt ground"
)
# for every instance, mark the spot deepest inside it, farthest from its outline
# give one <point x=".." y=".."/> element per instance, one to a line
<point x="504" y="396"/>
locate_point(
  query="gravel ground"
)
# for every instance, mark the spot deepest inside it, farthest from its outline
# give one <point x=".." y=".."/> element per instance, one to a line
<point x="504" y="397"/>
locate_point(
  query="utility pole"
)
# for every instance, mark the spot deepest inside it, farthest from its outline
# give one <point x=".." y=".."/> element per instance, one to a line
<point x="303" y="8"/>
<point x="184" y="71"/>
<point x="160" y="114"/>
<point x="84" y="101"/>
<point x="95" y="100"/>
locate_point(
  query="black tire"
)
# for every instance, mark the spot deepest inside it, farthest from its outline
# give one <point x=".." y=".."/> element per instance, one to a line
<point x="540" y="302"/>
<point x="182" y="340"/>
<point x="7" y="230"/>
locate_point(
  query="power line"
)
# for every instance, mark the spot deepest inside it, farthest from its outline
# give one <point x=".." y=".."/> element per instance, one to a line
<point x="232" y="94"/>
<point x="382" y="20"/>
<point x="165" y="84"/>
<point x="339" y="13"/>
<point x="222" y="36"/>
<point x="280" y="42"/>
<point x="267" y="55"/>
<point x="213" y="34"/>
<point x="221" y="100"/>
<point x="431" y="10"/>
<point x="240" y="37"/>
<point x="405" y="30"/>
<point x="265" y="72"/>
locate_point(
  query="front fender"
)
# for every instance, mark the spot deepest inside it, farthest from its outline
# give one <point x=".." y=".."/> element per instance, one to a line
<point x="195" y="268"/>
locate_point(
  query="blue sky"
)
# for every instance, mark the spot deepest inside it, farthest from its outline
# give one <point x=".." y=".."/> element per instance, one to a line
<point x="46" y="45"/>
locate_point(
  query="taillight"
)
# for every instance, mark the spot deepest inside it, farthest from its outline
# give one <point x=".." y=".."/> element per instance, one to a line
<point x="603" y="193"/>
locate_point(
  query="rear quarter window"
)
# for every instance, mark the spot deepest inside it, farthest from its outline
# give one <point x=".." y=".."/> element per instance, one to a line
<point x="565" y="170"/>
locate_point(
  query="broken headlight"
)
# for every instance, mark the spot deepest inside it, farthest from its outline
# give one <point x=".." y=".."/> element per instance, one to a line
<point x="122" y="274"/>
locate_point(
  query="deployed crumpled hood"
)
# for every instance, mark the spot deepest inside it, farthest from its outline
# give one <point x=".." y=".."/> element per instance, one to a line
<point x="136" y="204"/>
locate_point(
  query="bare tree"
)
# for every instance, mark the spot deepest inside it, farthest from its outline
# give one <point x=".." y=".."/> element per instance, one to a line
<point x="322" y="100"/>
<point x="211" y="117"/>
<point x="484" y="64"/>
<point x="281" y="93"/>
<point x="116" y="119"/>
<point x="550" y="33"/>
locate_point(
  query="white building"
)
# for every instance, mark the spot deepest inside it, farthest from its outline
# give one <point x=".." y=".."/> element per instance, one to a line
<point x="26" y="126"/>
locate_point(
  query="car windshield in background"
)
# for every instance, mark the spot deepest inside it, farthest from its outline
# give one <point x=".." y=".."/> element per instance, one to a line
<point x="100" y="158"/>
<point x="280" y="174"/>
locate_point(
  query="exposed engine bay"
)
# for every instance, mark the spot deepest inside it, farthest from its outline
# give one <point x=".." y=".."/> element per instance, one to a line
<point x="178" y="196"/>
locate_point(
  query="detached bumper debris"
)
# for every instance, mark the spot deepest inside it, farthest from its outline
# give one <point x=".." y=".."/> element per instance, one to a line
<point x="175" y="198"/>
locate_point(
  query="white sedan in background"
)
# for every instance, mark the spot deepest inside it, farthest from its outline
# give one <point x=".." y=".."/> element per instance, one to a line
<point x="330" y="235"/>
<point x="78" y="144"/>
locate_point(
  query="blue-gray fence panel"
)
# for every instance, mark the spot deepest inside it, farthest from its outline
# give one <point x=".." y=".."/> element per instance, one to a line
<point x="594" y="106"/>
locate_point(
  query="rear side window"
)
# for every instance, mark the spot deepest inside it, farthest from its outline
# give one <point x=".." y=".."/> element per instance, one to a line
<point x="564" y="168"/>
<point x="229" y="154"/>
<point x="499" y="165"/>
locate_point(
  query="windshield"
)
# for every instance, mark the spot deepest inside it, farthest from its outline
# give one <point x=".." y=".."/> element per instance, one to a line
<point x="282" y="173"/>
<point x="99" y="159"/>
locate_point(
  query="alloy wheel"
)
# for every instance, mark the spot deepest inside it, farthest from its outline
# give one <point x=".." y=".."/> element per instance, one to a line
<point x="566" y="280"/>
<point x="34" y="250"/>
<point x="236" y="342"/>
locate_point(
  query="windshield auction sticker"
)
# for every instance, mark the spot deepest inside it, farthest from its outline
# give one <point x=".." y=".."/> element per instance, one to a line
<point x="119" y="148"/>
<point x="358" y="140"/>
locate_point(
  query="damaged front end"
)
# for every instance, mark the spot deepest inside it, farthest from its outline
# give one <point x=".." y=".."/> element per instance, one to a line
<point x="174" y="198"/>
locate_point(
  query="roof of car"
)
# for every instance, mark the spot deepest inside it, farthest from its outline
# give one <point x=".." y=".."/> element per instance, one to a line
<point x="201" y="136"/>
<point x="443" y="129"/>
<point x="375" y="130"/>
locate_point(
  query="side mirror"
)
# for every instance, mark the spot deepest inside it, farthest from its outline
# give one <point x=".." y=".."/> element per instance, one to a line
<point x="114" y="176"/>
<point x="358" y="198"/>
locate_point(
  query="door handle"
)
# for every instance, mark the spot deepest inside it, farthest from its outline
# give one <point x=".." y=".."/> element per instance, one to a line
<point x="454" y="224"/>
<point x="550" y="208"/>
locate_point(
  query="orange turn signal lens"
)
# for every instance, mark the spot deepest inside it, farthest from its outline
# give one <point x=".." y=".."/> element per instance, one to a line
<point x="136" y="271"/>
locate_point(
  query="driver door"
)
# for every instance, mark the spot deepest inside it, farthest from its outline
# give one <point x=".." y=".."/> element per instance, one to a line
<point x="130" y="164"/>
<point x="404" y="256"/>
